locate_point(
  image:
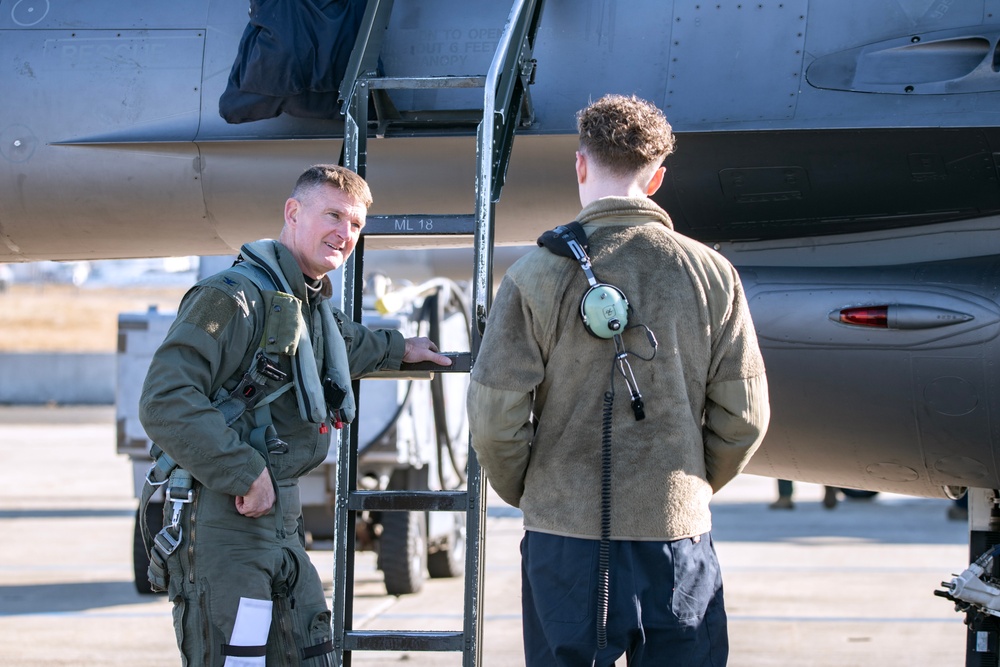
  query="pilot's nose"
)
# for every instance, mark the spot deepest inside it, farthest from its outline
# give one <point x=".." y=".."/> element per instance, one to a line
<point x="342" y="229"/>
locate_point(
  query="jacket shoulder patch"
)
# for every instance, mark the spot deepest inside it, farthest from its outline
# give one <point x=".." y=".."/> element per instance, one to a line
<point x="212" y="311"/>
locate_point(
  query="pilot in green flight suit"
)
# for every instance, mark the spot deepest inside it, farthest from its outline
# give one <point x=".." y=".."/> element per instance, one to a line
<point x="243" y="587"/>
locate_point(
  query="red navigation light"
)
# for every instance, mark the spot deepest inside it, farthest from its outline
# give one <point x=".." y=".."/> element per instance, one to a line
<point x="866" y="316"/>
<point x="900" y="317"/>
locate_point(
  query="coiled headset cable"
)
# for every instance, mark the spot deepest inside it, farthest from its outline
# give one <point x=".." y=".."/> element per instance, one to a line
<point x="604" y="553"/>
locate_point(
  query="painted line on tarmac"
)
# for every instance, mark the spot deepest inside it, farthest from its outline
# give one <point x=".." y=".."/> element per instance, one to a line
<point x="66" y="567"/>
<point x="376" y="613"/>
<point x="840" y="619"/>
<point x="166" y="613"/>
<point x="839" y="569"/>
<point x="486" y="617"/>
<point x="66" y="513"/>
<point x="512" y="617"/>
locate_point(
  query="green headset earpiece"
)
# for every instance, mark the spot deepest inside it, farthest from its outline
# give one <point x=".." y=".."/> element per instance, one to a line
<point x="604" y="310"/>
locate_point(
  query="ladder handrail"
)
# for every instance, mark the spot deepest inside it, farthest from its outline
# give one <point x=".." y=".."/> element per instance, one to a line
<point x="514" y="23"/>
<point x="482" y="288"/>
<point x="475" y="555"/>
<point x="373" y="9"/>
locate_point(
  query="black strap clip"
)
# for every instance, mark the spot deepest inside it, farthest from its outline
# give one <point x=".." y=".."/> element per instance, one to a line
<point x="269" y="369"/>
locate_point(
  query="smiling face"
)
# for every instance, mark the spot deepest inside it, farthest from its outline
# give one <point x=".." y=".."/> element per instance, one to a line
<point x="322" y="226"/>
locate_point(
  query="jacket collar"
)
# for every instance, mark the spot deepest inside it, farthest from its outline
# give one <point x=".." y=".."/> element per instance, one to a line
<point x="274" y="254"/>
<point x="624" y="210"/>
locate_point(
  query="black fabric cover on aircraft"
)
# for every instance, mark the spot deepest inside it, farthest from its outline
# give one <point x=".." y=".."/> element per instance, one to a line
<point x="291" y="59"/>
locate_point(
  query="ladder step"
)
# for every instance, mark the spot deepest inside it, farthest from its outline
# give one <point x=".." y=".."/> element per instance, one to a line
<point x="408" y="501"/>
<point x="419" y="225"/>
<point x="429" y="121"/>
<point x="411" y="640"/>
<point x="461" y="362"/>
<point x="422" y="82"/>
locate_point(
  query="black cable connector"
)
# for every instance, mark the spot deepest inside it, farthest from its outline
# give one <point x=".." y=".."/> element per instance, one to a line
<point x="638" y="407"/>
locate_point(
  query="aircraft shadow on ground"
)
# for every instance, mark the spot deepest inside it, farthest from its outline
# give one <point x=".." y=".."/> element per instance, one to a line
<point x="69" y="597"/>
<point x="905" y="521"/>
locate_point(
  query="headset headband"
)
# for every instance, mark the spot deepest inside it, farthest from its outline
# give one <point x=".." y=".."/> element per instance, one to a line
<point x="570" y="241"/>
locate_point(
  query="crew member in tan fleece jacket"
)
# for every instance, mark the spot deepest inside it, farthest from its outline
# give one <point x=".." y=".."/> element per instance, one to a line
<point x="648" y="585"/>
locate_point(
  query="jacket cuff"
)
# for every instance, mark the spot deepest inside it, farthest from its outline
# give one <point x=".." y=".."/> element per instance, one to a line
<point x="254" y="467"/>
<point x="397" y="348"/>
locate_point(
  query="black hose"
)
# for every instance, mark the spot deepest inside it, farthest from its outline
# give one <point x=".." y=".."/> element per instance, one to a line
<point x="455" y="302"/>
<point x="432" y="312"/>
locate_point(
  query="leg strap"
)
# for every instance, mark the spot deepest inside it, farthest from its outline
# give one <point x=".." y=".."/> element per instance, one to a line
<point x="244" y="651"/>
<point x="317" y="650"/>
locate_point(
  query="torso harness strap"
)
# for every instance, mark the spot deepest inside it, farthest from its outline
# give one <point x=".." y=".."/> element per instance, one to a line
<point x="252" y="393"/>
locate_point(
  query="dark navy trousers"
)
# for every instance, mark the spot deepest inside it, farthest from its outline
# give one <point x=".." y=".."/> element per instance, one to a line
<point x="665" y="603"/>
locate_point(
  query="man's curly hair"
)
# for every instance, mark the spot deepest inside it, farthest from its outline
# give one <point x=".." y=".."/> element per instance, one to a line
<point x="624" y="134"/>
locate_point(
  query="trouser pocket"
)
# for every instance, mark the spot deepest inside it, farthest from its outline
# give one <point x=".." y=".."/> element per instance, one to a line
<point x="697" y="578"/>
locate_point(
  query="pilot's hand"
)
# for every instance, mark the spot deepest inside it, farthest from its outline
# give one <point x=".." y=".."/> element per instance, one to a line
<point x="259" y="499"/>
<point x="423" y="349"/>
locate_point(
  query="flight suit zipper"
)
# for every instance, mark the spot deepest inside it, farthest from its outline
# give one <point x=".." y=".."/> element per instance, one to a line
<point x="192" y="512"/>
<point x="286" y="646"/>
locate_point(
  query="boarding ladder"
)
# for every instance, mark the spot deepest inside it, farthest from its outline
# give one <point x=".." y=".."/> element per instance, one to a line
<point x="506" y="104"/>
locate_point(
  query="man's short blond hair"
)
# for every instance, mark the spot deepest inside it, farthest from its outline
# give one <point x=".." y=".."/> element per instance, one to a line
<point x="336" y="176"/>
<point x="624" y="134"/>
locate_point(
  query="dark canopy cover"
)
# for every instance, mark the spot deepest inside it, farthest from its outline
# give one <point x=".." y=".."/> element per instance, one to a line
<point x="291" y="59"/>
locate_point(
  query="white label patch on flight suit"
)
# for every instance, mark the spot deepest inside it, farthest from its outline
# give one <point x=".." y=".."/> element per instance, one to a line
<point x="253" y="623"/>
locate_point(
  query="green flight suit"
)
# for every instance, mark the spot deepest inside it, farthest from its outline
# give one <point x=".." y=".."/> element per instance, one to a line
<point x="244" y="589"/>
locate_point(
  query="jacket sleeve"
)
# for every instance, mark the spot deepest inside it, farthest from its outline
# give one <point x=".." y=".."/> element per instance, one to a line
<point x="737" y="410"/>
<point x="736" y="417"/>
<point x="205" y="345"/>
<point x="500" y="422"/>
<point x="370" y="350"/>
<point x="500" y="401"/>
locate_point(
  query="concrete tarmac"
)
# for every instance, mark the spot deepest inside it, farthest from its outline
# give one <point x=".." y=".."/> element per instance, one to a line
<point x="852" y="586"/>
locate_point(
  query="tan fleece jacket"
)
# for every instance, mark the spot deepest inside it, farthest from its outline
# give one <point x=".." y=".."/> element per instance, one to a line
<point x="539" y="383"/>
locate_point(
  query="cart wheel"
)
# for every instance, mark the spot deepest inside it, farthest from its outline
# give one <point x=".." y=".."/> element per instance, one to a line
<point x="403" y="551"/>
<point x="448" y="558"/>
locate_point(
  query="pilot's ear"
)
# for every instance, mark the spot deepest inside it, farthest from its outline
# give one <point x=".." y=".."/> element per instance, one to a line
<point x="656" y="181"/>
<point x="291" y="211"/>
<point x="581" y="167"/>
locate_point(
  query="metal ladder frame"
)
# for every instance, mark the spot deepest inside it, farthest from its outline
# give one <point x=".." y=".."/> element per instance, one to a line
<point x="505" y="103"/>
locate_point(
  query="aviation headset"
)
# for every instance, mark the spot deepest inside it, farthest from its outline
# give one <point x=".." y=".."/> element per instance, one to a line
<point x="604" y="308"/>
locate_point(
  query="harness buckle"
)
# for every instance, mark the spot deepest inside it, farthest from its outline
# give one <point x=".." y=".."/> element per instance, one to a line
<point x="149" y="480"/>
<point x="178" y="503"/>
<point x="179" y="500"/>
<point x="166" y="543"/>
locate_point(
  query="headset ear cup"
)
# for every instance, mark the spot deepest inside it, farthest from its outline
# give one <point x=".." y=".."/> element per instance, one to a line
<point x="604" y="310"/>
